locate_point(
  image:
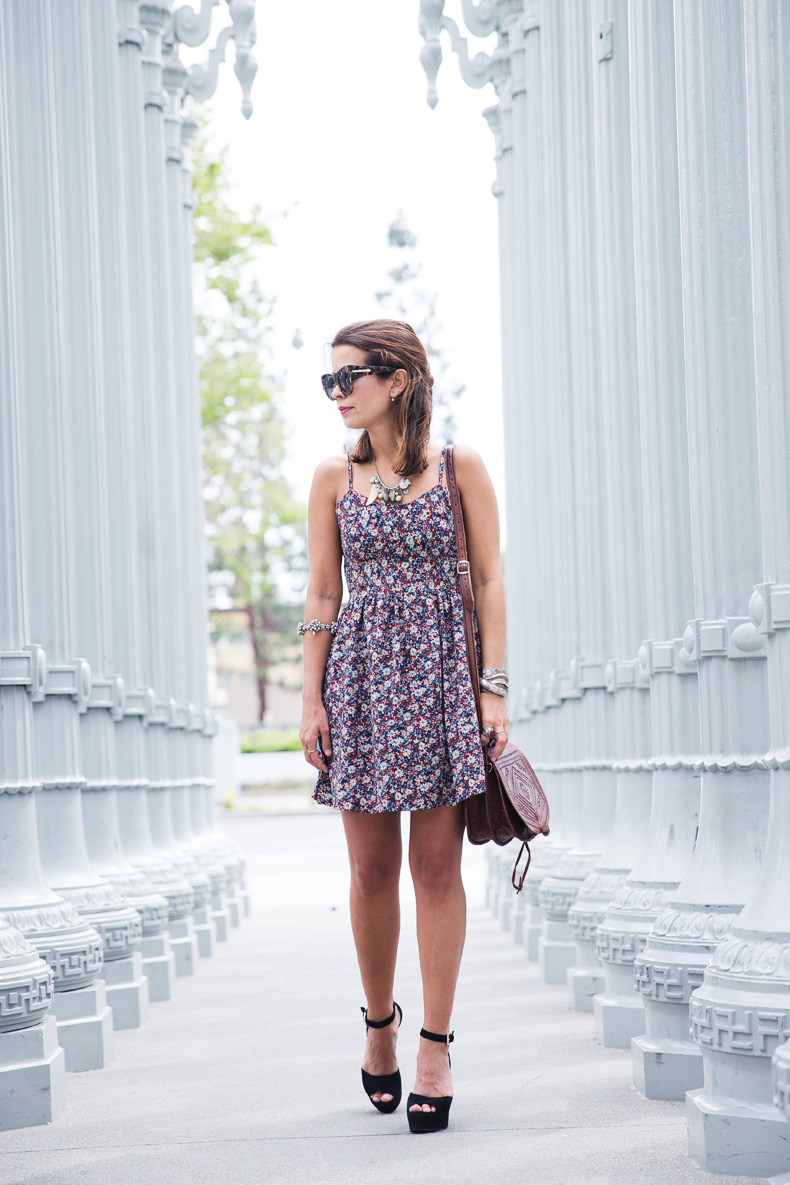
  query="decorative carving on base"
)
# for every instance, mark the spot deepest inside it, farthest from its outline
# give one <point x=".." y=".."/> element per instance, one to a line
<point x="737" y="1029"/>
<point x="763" y="959"/>
<point x="666" y="982"/>
<point x="613" y="946"/>
<point x="25" y="981"/>
<point x="698" y="925"/>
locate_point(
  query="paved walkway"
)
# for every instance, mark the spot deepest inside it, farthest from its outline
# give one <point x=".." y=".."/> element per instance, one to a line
<point x="250" y="1076"/>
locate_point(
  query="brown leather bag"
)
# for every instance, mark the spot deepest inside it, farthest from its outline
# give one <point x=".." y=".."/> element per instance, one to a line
<point x="514" y="805"/>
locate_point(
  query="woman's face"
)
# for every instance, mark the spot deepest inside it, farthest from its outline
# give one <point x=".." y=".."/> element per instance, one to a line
<point x="370" y="401"/>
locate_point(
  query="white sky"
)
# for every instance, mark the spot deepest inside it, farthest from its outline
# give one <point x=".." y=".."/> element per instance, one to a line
<point x="340" y="140"/>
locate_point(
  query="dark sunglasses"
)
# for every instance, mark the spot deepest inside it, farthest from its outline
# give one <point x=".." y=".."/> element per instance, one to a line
<point x="344" y="379"/>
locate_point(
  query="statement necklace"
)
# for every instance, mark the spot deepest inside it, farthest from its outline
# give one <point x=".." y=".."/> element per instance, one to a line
<point x="379" y="492"/>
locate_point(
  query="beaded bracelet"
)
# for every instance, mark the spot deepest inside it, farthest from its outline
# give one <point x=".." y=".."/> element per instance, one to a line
<point x="314" y="626"/>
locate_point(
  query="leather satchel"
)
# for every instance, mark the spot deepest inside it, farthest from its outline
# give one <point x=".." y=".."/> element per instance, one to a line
<point x="514" y="805"/>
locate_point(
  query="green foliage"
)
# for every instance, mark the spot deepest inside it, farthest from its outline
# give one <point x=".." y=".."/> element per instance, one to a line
<point x="406" y="299"/>
<point x="271" y="740"/>
<point x="255" y="526"/>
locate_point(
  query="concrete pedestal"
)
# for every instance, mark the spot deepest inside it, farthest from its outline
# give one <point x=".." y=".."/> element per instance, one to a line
<point x="618" y="1020"/>
<point x="556" y="951"/>
<point x="619" y="1011"/>
<point x="533" y="925"/>
<point x="85" y="1026"/>
<point x="533" y="922"/>
<point x="205" y="931"/>
<point x="517" y="918"/>
<point x="619" y="1017"/>
<point x="726" y="1136"/>
<point x="665" y="1069"/>
<point x="32" y="1076"/>
<point x="234" y="911"/>
<point x="184" y="945"/>
<point x="221" y="916"/>
<point x="127" y="991"/>
<point x="159" y="966"/>
<point x="586" y="979"/>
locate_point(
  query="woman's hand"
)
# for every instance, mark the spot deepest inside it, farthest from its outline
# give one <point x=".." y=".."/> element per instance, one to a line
<point x="315" y="728"/>
<point x="494" y="712"/>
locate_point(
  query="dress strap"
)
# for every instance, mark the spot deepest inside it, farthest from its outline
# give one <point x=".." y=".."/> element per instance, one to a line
<point x="441" y="464"/>
<point x="350" y="473"/>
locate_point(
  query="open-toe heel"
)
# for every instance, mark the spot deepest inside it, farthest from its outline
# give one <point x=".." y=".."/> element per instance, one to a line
<point x="383" y="1083"/>
<point x="436" y="1120"/>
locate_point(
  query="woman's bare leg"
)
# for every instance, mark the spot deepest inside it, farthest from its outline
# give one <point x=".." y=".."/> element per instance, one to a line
<point x="435" y="844"/>
<point x="374" y="853"/>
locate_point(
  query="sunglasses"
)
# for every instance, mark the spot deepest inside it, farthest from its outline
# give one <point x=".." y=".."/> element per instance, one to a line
<point x="344" y="379"/>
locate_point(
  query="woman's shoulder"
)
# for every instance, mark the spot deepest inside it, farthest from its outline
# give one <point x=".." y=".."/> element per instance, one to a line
<point x="467" y="459"/>
<point x="331" y="467"/>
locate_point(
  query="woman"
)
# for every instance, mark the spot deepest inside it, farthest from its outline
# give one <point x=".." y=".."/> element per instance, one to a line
<point x="389" y="717"/>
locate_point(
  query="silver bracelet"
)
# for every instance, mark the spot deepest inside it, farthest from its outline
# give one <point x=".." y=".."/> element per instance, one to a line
<point x="315" y="625"/>
<point x="495" y="681"/>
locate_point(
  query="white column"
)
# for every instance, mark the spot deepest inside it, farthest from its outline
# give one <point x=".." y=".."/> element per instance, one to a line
<point x="542" y="595"/>
<point x="190" y="576"/>
<point x="586" y="736"/>
<point x="741" y="1014"/>
<point x="522" y="659"/>
<point x="136" y="626"/>
<point x="75" y="109"/>
<point x="725" y="512"/>
<point x="163" y="737"/>
<point x="584" y="530"/>
<point x="48" y="478"/>
<point x="32" y="1064"/>
<point x="100" y="812"/>
<point x="167" y="744"/>
<point x="617" y="1010"/>
<point x="667" y="526"/>
<point x="566" y="107"/>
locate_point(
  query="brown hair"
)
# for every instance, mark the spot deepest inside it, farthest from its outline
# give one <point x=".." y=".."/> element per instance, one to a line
<point x="395" y="344"/>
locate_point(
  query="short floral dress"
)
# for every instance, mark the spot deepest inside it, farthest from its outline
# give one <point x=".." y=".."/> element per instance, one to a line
<point x="397" y="691"/>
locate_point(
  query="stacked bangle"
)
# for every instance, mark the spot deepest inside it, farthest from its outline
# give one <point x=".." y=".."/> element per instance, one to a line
<point x="315" y="625"/>
<point x="495" y="681"/>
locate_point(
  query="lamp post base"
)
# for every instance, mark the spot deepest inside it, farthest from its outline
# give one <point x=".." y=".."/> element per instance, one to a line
<point x="32" y="1076"/>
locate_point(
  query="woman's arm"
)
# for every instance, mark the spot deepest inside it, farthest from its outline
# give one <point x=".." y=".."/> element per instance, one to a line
<point x="481" y="520"/>
<point x="324" y="594"/>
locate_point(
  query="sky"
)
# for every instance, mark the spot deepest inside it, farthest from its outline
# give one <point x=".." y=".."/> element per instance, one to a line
<point x="341" y="139"/>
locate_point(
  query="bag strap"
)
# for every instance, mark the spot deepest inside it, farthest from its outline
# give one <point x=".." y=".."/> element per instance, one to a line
<point x="464" y="581"/>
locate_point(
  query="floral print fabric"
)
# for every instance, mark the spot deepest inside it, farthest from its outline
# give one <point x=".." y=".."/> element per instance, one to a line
<point x="396" y="690"/>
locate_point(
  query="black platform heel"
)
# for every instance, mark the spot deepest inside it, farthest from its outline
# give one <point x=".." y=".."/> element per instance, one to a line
<point x="385" y="1083"/>
<point x="431" y="1121"/>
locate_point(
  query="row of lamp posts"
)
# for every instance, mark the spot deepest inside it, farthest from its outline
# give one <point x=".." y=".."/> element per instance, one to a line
<point x="114" y="878"/>
<point x="643" y="182"/>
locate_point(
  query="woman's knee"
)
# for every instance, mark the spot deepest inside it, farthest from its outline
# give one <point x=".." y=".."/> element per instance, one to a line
<point x="372" y="875"/>
<point x="435" y="871"/>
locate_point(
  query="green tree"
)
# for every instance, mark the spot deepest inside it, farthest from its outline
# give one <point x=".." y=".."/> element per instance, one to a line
<point x="407" y="299"/>
<point x="254" y="525"/>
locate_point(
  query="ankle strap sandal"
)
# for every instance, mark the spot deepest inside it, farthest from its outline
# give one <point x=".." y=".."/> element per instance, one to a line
<point x="436" y="1120"/>
<point x="383" y="1083"/>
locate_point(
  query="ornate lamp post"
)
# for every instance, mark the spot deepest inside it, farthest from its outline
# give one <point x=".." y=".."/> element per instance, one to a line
<point x="740" y="1015"/>
<point x="725" y="516"/>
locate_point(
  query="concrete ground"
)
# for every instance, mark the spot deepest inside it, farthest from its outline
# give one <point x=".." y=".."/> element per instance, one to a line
<point x="250" y="1076"/>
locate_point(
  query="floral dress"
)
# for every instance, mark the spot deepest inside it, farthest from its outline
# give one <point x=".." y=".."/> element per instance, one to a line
<point x="397" y="691"/>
